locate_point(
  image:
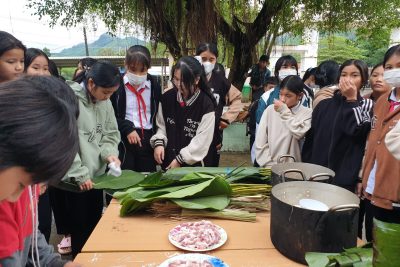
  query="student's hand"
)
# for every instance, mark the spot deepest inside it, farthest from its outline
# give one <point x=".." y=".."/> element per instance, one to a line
<point x="114" y="159"/>
<point x="43" y="188"/>
<point x="278" y="104"/>
<point x="134" y="138"/>
<point x="72" y="264"/>
<point x="159" y="154"/>
<point x="174" y="164"/>
<point x="348" y="89"/>
<point x="86" y="186"/>
<point x="359" y="190"/>
<point x="222" y="125"/>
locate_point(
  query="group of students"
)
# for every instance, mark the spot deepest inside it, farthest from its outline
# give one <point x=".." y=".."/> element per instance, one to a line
<point x="55" y="132"/>
<point x="103" y="117"/>
<point x="355" y="136"/>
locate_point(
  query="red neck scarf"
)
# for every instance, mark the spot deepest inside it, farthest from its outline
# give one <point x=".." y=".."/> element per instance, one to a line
<point x="141" y="103"/>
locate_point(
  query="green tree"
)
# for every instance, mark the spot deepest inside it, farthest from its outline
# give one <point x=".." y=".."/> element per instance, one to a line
<point x="242" y="24"/>
<point x="338" y="48"/>
<point x="47" y="51"/>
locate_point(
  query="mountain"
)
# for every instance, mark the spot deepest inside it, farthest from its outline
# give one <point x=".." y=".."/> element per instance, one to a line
<point x="105" y="44"/>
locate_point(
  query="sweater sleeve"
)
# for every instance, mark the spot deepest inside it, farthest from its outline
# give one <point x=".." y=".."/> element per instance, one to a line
<point x="77" y="171"/>
<point x="200" y="143"/>
<point x="297" y="126"/>
<point x="261" y="145"/>
<point x="160" y="138"/>
<point x="111" y="137"/>
<point x="392" y="141"/>
<point x="234" y="103"/>
<point x="260" y="110"/>
<point x="356" y="117"/>
<point x="47" y="257"/>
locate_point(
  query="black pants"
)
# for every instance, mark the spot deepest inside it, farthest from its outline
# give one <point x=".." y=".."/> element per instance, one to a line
<point x="44" y="210"/>
<point x="213" y="155"/>
<point x="84" y="214"/>
<point x="252" y="139"/>
<point x="366" y="215"/>
<point x="384" y="215"/>
<point x="136" y="158"/>
<point x="60" y="206"/>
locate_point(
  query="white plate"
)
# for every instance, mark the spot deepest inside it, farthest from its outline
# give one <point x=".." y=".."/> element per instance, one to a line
<point x="312" y="204"/>
<point x="215" y="262"/>
<point x="224" y="237"/>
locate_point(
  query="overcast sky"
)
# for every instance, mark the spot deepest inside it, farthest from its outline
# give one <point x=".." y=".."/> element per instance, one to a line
<point x="16" y="19"/>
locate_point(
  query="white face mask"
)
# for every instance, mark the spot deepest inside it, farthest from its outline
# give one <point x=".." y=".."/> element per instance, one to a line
<point x="135" y="79"/>
<point x="286" y="72"/>
<point x="208" y="67"/>
<point x="392" y="77"/>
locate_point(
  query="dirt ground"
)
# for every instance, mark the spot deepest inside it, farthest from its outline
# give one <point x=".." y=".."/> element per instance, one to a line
<point x="233" y="159"/>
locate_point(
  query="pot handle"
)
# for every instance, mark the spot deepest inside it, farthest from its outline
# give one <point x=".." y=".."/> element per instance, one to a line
<point x="334" y="209"/>
<point x="285" y="156"/>
<point x="343" y="207"/>
<point x="292" y="170"/>
<point x="312" y="178"/>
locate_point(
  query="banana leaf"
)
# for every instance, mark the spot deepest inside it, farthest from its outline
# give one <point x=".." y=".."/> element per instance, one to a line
<point x="140" y="199"/>
<point x="127" y="179"/>
<point x="386" y="244"/>
<point x="211" y="202"/>
<point x="358" y="256"/>
<point x="178" y="173"/>
<point x="316" y="259"/>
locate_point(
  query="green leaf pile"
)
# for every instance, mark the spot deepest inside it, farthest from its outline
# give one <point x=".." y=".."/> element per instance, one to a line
<point x="357" y="257"/>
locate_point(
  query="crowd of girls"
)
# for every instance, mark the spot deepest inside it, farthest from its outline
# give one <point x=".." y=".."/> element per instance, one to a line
<point x="127" y="120"/>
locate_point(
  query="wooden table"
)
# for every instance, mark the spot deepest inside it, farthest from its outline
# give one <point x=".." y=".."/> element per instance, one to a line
<point x="148" y="233"/>
<point x="235" y="258"/>
<point x="142" y="240"/>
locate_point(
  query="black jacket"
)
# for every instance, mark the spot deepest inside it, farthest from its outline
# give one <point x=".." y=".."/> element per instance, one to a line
<point x="118" y="100"/>
<point x="337" y="137"/>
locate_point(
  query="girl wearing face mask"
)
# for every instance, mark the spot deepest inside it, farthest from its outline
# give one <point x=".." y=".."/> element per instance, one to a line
<point x="285" y="66"/>
<point x="378" y="85"/>
<point x="36" y="62"/>
<point x="135" y="105"/>
<point x="283" y="124"/>
<point x="381" y="179"/>
<point x="225" y="94"/>
<point x="340" y="126"/>
<point x="185" y="118"/>
<point x="98" y="146"/>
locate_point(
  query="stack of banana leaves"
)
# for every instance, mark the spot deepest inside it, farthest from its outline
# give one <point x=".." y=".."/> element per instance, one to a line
<point x="230" y="193"/>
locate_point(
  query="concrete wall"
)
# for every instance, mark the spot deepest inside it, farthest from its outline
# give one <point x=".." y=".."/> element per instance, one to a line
<point x="235" y="139"/>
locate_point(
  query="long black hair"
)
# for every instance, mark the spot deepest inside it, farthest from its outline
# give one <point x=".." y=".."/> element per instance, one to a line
<point x="138" y="54"/>
<point x="86" y="63"/>
<point x="293" y="83"/>
<point x="390" y="52"/>
<point x="207" y="47"/>
<point x="327" y="73"/>
<point x="104" y="74"/>
<point x="287" y="59"/>
<point x="9" y="42"/>
<point x="38" y="127"/>
<point x="191" y="70"/>
<point x="360" y="65"/>
<point x="31" y="54"/>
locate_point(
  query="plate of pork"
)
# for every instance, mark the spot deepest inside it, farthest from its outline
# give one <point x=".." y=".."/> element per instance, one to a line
<point x="197" y="236"/>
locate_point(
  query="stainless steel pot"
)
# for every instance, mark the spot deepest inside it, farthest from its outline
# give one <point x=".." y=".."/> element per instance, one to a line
<point x="299" y="171"/>
<point x="295" y="230"/>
